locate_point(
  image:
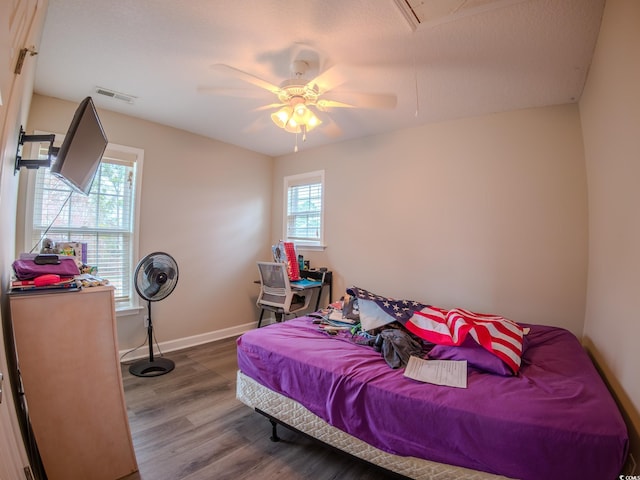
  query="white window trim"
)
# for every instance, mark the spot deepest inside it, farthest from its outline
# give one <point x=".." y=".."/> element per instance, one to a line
<point x="134" y="306"/>
<point x="300" y="179"/>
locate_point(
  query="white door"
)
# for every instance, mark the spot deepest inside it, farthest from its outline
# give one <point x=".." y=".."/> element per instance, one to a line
<point x="11" y="454"/>
<point x="20" y="28"/>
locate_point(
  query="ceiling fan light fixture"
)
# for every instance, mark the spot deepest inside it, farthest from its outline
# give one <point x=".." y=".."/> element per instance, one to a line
<point x="300" y="109"/>
<point x="299" y="114"/>
<point x="296" y="117"/>
<point x="311" y="121"/>
<point x="292" y="126"/>
<point x="281" y="117"/>
<point x="299" y="105"/>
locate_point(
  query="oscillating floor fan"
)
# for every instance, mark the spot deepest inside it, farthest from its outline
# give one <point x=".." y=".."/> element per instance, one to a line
<point x="155" y="278"/>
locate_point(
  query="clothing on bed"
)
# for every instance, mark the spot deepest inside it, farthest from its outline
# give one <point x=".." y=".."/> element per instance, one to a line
<point x="498" y="335"/>
<point x="554" y="420"/>
<point x="396" y="347"/>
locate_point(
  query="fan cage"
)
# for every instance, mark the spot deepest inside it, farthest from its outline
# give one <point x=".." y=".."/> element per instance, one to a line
<point x="156" y="276"/>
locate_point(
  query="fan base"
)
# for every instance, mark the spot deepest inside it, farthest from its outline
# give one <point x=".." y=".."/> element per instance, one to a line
<point x="147" y="368"/>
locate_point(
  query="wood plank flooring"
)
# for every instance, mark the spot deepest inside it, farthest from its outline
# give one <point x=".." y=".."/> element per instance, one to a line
<point x="188" y="425"/>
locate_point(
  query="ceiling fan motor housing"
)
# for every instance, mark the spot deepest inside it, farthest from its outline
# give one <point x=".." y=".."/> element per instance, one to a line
<point x="298" y="88"/>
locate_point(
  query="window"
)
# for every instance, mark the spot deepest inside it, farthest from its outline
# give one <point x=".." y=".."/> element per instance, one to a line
<point x="304" y="209"/>
<point x="105" y="219"/>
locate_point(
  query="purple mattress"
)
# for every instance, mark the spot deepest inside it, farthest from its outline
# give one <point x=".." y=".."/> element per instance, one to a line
<point x="554" y="420"/>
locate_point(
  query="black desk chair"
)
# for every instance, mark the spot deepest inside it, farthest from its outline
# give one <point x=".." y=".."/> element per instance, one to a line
<point x="276" y="294"/>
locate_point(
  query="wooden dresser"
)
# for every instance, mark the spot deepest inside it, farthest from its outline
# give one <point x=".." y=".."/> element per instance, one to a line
<point x="67" y="351"/>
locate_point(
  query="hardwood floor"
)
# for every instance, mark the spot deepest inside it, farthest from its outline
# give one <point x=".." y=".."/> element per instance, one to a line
<point x="188" y="425"/>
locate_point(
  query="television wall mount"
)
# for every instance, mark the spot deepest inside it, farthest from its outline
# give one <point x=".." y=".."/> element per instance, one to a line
<point x="34" y="163"/>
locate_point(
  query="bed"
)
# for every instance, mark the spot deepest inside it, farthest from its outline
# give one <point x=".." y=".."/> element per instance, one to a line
<point x="555" y="419"/>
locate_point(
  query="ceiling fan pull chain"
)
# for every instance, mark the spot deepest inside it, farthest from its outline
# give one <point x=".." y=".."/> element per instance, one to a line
<point x="415" y="79"/>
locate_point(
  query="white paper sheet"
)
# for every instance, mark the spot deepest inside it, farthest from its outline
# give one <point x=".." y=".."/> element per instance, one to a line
<point x="451" y="373"/>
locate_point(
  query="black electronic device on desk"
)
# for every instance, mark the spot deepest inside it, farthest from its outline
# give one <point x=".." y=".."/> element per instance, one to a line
<point x="47" y="259"/>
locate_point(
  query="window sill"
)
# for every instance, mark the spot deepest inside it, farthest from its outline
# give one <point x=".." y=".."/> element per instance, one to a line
<point x="127" y="310"/>
<point x="307" y="247"/>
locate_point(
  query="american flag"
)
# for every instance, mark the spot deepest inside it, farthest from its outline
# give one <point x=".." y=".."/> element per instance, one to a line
<point x="497" y="334"/>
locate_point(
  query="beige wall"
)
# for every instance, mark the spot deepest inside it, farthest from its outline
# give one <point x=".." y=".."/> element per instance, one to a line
<point x="206" y="203"/>
<point x="610" y="114"/>
<point x="484" y="213"/>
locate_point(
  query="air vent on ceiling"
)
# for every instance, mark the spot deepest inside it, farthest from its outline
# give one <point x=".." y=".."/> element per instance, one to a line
<point x="123" y="97"/>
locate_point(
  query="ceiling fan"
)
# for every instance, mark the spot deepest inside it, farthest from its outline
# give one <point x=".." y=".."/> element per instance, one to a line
<point x="298" y="97"/>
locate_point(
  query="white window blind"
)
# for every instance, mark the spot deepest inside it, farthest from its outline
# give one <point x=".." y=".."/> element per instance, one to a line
<point x="104" y="220"/>
<point x="305" y="208"/>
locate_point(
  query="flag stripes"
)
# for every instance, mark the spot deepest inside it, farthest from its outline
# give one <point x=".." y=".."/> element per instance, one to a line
<point x="498" y="335"/>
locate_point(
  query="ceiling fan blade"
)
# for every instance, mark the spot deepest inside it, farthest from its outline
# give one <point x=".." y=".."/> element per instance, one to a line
<point x="232" y="92"/>
<point x="247" y="77"/>
<point x="331" y="128"/>
<point x="329" y="79"/>
<point x="323" y="104"/>
<point x="256" y="126"/>
<point x="269" y="107"/>
<point x="368" y="100"/>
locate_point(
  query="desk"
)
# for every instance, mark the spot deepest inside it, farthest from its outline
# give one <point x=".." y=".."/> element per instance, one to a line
<point x="325" y="277"/>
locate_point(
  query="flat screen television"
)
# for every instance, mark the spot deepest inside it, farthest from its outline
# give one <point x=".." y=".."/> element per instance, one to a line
<point x="80" y="154"/>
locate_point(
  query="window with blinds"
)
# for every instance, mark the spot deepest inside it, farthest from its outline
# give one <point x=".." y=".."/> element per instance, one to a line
<point x="304" y="209"/>
<point x="104" y="220"/>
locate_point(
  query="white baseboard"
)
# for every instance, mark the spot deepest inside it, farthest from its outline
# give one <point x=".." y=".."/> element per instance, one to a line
<point x="187" y="342"/>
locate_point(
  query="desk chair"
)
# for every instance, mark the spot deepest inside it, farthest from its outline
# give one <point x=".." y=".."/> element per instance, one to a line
<point x="276" y="294"/>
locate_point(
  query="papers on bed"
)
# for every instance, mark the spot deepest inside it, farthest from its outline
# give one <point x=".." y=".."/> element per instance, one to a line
<point x="331" y="321"/>
<point x="450" y="373"/>
<point x="336" y="316"/>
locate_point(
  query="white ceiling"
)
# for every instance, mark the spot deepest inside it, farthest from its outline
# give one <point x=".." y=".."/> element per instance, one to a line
<point x="466" y="58"/>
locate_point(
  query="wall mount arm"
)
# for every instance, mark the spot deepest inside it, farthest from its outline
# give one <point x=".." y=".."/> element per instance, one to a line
<point x="34" y="163"/>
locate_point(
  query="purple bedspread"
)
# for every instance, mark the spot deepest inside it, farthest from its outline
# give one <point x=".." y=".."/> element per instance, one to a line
<point x="555" y="420"/>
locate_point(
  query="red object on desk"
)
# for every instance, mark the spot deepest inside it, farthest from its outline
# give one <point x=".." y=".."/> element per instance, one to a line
<point x="292" y="261"/>
<point x="44" y="280"/>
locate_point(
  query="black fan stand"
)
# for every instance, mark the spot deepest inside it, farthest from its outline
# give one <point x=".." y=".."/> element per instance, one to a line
<point x="151" y="367"/>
